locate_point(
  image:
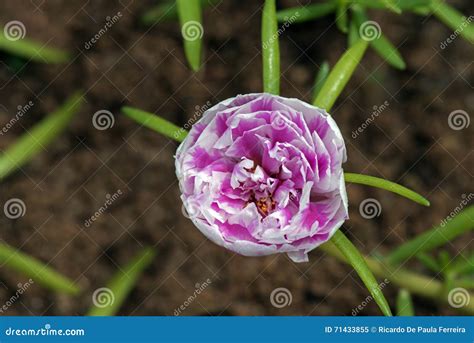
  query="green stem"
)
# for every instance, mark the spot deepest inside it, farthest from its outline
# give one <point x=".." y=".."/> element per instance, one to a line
<point x="28" y="49"/>
<point x="352" y="255"/>
<point x="270" y="49"/>
<point x="156" y="123"/>
<point x="306" y="13"/>
<point x="36" y="270"/>
<point x="387" y="185"/>
<point x="453" y="19"/>
<point x="190" y="18"/>
<point x="121" y="284"/>
<point x="413" y="282"/>
<point x="435" y="237"/>
<point x="404" y="304"/>
<point x="39" y="137"/>
<point x="340" y="75"/>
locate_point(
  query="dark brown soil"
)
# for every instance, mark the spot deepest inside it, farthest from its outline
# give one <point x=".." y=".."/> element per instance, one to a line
<point x="410" y="142"/>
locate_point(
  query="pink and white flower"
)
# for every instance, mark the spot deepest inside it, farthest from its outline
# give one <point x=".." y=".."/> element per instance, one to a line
<point x="261" y="174"/>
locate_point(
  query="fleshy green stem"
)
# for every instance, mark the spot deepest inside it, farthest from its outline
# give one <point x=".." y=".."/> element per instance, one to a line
<point x="39" y="137"/>
<point x="352" y="255"/>
<point x="387" y="185"/>
<point x="36" y="270"/>
<point x="121" y="284"/>
<point x="270" y="49"/>
<point x="413" y="282"/>
<point x="439" y="235"/>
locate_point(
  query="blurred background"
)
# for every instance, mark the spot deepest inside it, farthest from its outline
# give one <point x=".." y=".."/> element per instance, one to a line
<point x="410" y="142"/>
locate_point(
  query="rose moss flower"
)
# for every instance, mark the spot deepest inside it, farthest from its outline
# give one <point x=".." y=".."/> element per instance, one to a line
<point x="262" y="174"/>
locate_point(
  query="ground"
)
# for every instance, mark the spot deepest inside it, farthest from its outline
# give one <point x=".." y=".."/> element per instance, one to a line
<point x="409" y="142"/>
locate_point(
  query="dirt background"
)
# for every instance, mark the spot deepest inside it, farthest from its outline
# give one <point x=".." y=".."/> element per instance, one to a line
<point x="410" y="142"/>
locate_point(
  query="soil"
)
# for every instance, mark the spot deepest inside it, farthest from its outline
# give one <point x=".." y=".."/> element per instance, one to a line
<point x="409" y="142"/>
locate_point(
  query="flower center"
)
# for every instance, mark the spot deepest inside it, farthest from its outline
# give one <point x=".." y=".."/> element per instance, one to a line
<point x="265" y="205"/>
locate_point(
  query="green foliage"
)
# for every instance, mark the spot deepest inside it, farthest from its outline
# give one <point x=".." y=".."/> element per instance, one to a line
<point x="122" y="283"/>
<point x="36" y="139"/>
<point x="155" y="123"/>
<point x="387" y="185"/>
<point x="190" y="18"/>
<point x="270" y="49"/>
<point x="28" y="49"/>
<point x="404" y="304"/>
<point x="36" y="270"/>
